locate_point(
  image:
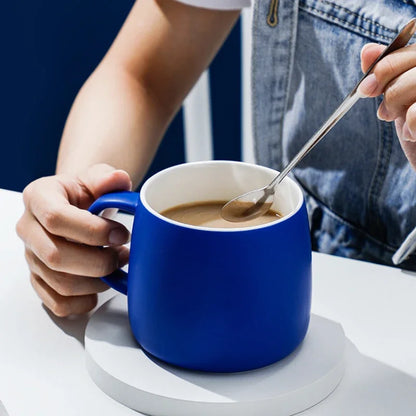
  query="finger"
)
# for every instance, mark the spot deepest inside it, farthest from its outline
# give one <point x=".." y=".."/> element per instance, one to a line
<point x="409" y="147"/>
<point x="48" y="200"/>
<point x="403" y="132"/>
<point x="62" y="305"/>
<point x="369" y="53"/>
<point x="100" y="179"/>
<point x="80" y="225"/>
<point x="387" y="69"/>
<point x="409" y="127"/>
<point x="399" y="126"/>
<point x="398" y="96"/>
<point x="65" y="256"/>
<point x="64" y="283"/>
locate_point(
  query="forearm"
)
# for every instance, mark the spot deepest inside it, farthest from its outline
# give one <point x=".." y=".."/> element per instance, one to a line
<point x="114" y="120"/>
<point x="124" y="108"/>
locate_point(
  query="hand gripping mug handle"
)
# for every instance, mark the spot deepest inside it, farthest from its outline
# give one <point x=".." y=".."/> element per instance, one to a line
<point x="127" y="202"/>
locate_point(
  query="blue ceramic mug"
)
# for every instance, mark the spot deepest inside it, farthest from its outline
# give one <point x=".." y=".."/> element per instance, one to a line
<point x="220" y="300"/>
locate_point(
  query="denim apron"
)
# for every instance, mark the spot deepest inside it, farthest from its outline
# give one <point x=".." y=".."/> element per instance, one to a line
<point x="359" y="187"/>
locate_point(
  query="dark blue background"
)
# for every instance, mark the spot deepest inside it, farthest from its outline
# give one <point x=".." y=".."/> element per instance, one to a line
<point x="48" y="50"/>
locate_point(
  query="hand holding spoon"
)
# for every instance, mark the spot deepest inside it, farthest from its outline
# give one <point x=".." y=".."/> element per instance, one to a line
<point x="257" y="202"/>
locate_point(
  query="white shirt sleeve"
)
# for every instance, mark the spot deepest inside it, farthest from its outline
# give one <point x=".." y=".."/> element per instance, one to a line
<point x="218" y="4"/>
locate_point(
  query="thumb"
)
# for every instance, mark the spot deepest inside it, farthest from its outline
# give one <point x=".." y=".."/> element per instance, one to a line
<point x="370" y="87"/>
<point x="369" y="53"/>
<point x="102" y="178"/>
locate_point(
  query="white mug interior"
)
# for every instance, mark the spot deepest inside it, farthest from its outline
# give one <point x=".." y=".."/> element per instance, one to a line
<point x="215" y="181"/>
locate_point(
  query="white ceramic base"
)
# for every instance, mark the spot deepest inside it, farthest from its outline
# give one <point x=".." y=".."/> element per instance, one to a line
<point x="122" y="370"/>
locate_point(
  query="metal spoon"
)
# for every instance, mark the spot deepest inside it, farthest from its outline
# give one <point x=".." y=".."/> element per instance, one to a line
<point x="257" y="202"/>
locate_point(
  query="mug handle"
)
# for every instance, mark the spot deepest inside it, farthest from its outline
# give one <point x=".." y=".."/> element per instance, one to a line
<point x="127" y="202"/>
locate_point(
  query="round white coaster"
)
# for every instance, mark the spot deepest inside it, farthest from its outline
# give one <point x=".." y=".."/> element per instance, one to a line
<point x="126" y="373"/>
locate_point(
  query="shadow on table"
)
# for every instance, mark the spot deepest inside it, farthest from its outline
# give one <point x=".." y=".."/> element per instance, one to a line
<point x="73" y="326"/>
<point x="368" y="388"/>
<point x="409" y="273"/>
<point x="3" y="411"/>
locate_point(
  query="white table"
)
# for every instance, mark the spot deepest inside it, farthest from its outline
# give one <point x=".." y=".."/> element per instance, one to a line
<point x="42" y="362"/>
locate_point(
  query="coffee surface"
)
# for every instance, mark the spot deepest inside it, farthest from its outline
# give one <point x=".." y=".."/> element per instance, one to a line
<point x="208" y="214"/>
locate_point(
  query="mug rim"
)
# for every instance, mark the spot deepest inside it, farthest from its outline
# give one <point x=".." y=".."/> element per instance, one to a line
<point x="151" y="210"/>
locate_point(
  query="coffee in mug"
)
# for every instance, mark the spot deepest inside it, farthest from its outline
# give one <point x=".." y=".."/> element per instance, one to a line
<point x="208" y="214"/>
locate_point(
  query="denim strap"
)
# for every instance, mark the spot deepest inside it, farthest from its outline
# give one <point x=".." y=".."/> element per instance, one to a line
<point x="272" y="61"/>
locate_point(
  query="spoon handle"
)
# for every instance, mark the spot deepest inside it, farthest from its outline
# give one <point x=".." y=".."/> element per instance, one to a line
<point x="398" y="42"/>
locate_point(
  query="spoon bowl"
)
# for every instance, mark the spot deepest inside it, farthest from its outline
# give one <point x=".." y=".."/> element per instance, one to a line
<point x="248" y="206"/>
